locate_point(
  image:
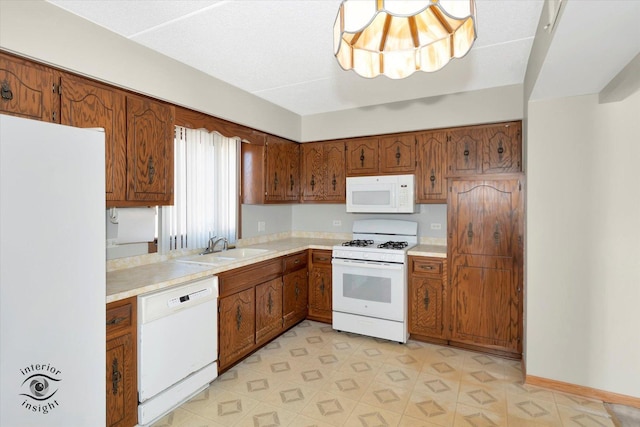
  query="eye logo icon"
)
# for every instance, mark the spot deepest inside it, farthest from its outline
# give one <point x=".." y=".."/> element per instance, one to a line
<point x="41" y="387"/>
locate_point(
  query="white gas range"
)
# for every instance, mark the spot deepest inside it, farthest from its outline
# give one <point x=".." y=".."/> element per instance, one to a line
<point x="370" y="279"/>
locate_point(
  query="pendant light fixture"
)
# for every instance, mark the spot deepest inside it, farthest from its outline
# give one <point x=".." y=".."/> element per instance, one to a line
<point x="398" y="37"/>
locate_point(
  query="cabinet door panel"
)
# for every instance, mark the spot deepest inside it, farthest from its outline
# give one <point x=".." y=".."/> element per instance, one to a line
<point x="237" y="326"/>
<point x="282" y="170"/>
<point x="335" y="184"/>
<point x="362" y="156"/>
<point x="431" y="185"/>
<point x="486" y="303"/>
<point x="320" y="299"/>
<point x="312" y="171"/>
<point x="27" y="90"/>
<point x="121" y="382"/>
<point x="295" y="297"/>
<point x="463" y="150"/>
<point x="87" y="104"/>
<point x="501" y="149"/>
<point x="425" y="313"/>
<point x="398" y="154"/>
<point x="485" y="217"/>
<point x="268" y="309"/>
<point x="150" y="137"/>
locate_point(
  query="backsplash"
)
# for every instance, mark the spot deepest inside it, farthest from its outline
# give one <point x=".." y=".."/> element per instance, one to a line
<point x="135" y="261"/>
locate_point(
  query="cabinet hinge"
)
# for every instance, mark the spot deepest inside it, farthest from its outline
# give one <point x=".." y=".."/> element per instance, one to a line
<point x="54" y="116"/>
<point x="219" y="309"/>
<point x="519" y="186"/>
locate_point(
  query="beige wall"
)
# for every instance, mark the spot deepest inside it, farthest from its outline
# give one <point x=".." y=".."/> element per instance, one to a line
<point x="583" y="255"/>
<point x="482" y="106"/>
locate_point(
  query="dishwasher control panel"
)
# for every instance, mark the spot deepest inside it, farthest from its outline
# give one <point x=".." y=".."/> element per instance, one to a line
<point x="202" y="293"/>
<point x="165" y="302"/>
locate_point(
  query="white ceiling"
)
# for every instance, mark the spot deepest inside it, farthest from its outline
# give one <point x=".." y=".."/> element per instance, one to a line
<point x="282" y="50"/>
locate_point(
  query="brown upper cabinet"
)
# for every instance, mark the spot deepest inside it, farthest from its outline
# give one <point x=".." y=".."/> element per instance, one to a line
<point x="139" y="131"/>
<point x="398" y="154"/>
<point x="431" y="186"/>
<point x="84" y="103"/>
<point x="270" y="171"/>
<point x="323" y="172"/>
<point x="28" y="90"/>
<point x="385" y="155"/>
<point x="484" y="149"/>
<point x="362" y="156"/>
<point x="150" y="134"/>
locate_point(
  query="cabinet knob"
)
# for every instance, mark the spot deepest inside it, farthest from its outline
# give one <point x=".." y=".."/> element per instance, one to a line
<point x="238" y="318"/>
<point x="334" y="182"/>
<point x="115" y="321"/>
<point x="362" y="157"/>
<point x="116" y="376"/>
<point x="6" y="92"/>
<point x="151" y="168"/>
<point x="426" y="300"/>
<point x="398" y="155"/>
<point x="313" y="182"/>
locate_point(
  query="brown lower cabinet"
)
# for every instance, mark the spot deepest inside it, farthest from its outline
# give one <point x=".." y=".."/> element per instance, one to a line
<point x="295" y="296"/>
<point x="427" y="299"/>
<point x="320" y="296"/>
<point x="255" y="306"/>
<point x="121" y="372"/>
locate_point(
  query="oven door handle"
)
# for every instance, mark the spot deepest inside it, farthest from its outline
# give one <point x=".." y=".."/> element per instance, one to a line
<point x="368" y="264"/>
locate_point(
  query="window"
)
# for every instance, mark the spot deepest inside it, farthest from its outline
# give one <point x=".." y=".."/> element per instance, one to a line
<point x="205" y="191"/>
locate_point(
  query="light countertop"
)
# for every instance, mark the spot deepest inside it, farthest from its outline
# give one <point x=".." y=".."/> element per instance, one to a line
<point x="129" y="282"/>
<point x="138" y="280"/>
<point x="435" y="251"/>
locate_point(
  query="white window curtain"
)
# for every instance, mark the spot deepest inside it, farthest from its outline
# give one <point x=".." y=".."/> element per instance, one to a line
<point x="205" y="190"/>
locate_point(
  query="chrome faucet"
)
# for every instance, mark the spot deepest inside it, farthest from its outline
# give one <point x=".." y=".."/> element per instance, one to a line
<point x="213" y="241"/>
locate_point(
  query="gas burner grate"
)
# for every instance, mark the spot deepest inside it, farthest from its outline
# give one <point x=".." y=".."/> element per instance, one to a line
<point x="393" y="245"/>
<point x="358" y="243"/>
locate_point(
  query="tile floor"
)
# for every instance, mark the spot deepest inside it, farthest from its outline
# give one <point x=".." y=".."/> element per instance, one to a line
<point x="315" y="376"/>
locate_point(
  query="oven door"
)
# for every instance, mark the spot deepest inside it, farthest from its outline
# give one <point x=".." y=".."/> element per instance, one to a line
<point x="373" y="289"/>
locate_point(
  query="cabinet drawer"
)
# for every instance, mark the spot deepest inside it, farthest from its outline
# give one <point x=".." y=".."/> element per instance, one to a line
<point x="321" y="257"/>
<point x="238" y="279"/>
<point x="426" y="266"/>
<point x="295" y="262"/>
<point x="119" y="318"/>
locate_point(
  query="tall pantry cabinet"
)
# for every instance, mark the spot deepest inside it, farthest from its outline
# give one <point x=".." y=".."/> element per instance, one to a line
<point x="485" y="250"/>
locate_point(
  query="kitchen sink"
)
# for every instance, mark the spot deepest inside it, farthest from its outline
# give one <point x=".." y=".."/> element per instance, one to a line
<point x="223" y="257"/>
<point x="243" y="253"/>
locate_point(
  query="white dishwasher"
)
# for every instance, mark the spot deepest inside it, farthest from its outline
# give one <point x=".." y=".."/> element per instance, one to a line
<point x="177" y="346"/>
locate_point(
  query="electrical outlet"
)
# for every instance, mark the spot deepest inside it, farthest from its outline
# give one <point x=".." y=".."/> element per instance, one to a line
<point x="337" y="223"/>
<point x="436" y="226"/>
<point x="261" y="225"/>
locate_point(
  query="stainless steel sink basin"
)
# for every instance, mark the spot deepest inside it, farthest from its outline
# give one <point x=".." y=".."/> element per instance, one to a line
<point x="223" y="257"/>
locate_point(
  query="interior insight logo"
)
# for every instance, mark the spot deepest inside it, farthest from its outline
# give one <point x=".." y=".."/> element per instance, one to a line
<point x="39" y="386"/>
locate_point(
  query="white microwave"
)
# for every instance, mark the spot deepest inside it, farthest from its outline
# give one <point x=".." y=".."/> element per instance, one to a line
<point x="381" y="194"/>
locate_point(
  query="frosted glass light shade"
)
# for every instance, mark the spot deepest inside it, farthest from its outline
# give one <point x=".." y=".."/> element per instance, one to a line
<point x="398" y="37"/>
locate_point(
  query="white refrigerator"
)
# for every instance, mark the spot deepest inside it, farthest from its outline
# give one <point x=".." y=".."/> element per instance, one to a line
<point x="52" y="275"/>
